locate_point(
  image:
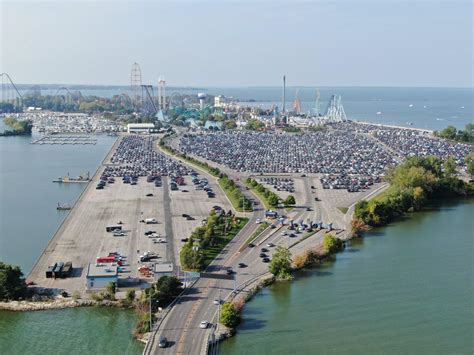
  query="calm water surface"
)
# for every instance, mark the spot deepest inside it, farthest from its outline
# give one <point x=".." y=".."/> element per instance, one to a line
<point x="404" y="289"/>
<point x="71" y="331"/>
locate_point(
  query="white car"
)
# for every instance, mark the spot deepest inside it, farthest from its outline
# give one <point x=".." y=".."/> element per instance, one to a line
<point x="258" y="221"/>
<point x="119" y="234"/>
<point x="270" y="245"/>
<point x="204" y="324"/>
<point x="217" y="302"/>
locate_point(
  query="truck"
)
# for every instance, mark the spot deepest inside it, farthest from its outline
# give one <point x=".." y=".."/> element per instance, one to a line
<point x="151" y="220"/>
<point x="106" y="259"/>
<point x="113" y="228"/>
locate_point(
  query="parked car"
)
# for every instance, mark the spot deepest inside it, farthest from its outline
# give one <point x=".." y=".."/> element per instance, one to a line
<point x="242" y="265"/>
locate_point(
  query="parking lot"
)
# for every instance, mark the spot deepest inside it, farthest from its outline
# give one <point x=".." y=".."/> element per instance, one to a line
<point x="82" y="238"/>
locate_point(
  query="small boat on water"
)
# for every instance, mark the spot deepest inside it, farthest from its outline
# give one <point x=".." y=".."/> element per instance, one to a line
<point x="67" y="178"/>
<point x="63" y="207"/>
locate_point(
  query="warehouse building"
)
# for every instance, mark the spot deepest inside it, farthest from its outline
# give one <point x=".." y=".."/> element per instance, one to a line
<point x="140" y="127"/>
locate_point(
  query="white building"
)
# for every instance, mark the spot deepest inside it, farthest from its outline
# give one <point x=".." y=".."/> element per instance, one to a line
<point x="140" y="127"/>
<point x="100" y="275"/>
<point x="163" y="269"/>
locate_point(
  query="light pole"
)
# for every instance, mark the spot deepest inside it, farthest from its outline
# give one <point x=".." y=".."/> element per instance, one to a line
<point x="151" y="319"/>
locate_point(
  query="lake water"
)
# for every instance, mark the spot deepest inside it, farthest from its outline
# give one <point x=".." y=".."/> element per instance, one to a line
<point x="69" y="331"/>
<point x="404" y="289"/>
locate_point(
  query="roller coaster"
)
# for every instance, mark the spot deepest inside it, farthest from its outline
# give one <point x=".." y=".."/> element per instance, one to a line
<point x="9" y="91"/>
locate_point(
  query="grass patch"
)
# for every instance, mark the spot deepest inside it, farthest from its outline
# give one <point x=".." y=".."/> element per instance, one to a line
<point x="210" y="253"/>
<point x="261" y="228"/>
<point x="305" y="237"/>
<point x="343" y="209"/>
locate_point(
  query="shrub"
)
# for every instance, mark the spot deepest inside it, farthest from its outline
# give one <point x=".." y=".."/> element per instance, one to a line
<point x="230" y="317"/>
<point x="280" y="265"/>
<point x="332" y="244"/>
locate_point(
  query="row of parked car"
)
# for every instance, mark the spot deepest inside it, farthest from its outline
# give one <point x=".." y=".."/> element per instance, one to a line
<point x="202" y="184"/>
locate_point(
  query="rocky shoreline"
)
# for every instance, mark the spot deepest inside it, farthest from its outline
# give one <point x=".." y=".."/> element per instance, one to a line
<point x="56" y="303"/>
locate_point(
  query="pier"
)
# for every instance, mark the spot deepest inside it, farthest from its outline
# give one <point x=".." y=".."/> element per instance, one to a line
<point x="65" y="139"/>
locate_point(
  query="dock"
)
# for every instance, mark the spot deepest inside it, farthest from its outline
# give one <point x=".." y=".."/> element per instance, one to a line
<point x="65" y="139"/>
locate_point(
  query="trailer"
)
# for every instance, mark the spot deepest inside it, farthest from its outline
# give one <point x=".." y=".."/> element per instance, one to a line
<point x="151" y="220"/>
<point x="67" y="270"/>
<point x="49" y="271"/>
<point x="57" y="269"/>
<point x="105" y="259"/>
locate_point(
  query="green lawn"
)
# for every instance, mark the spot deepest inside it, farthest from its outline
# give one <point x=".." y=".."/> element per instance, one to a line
<point x="262" y="227"/>
<point x="343" y="209"/>
<point x="210" y="253"/>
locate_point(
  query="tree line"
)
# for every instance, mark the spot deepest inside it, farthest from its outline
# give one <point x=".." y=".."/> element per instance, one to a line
<point x="413" y="184"/>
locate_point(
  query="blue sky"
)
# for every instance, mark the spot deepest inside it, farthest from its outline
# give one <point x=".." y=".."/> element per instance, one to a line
<point x="240" y="43"/>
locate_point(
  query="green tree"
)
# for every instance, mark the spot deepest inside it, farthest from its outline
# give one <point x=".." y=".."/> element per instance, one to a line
<point x="280" y="265"/>
<point x="110" y="290"/>
<point x="273" y="199"/>
<point x="230" y="317"/>
<point x="332" y="244"/>
<point x="290" y="200"/>
<point x="449" y="167"/>
<point x="469" y="160"/>
<point x="166" y="289"/>
<point x="254" y="125"/>
<point x="12" y="283"/>
<point x="130" y="296"/>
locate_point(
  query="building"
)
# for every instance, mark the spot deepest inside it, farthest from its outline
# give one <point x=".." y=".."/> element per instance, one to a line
<point x="100" y="275"/>
<point x="140" y="127"/>
<point x="163" y="269"/>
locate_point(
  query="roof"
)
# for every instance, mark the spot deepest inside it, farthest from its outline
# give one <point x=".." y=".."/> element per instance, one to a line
<point x="102" y="270"/>
<point x="141" y="125"/>
<point x="163" y="267"/>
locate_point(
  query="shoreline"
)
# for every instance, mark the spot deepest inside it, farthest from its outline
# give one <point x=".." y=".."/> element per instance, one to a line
<point x="54" y="304"/>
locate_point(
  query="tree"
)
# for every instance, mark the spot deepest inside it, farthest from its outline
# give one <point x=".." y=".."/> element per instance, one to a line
<point x="332" y="244"/>
<point x="290" y="200"/>
<point x="254" y="125"/>
<point x="110" y="290"/>
<point x="449" y="167"/>
<point x="272" y="199"/>
<point x="230" y="317"/>
<point x="280" y="265"/>
<point x="12" y="283"/>
<point x="469" y="160"/>
<point x="130" y="296"/>
<point x="166" y="289"/>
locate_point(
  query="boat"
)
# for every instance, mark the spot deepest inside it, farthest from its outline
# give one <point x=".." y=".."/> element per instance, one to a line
<point x="67" y="178"/>
<point x="63" y="207"/>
